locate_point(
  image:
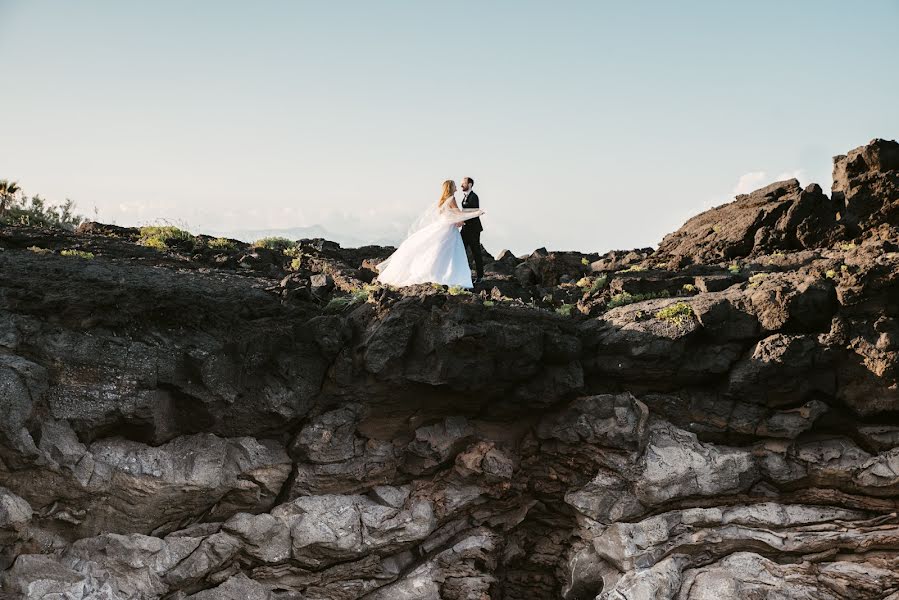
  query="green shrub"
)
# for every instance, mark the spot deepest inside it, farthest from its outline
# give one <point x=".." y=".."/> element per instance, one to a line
<point x="278" y="244"/>
<point x="38" y="250"/>
<point x="296" y="263"/>
<point x="831" y="274"/>
<point x="458" y="290"/>
<point x="689" y="288"/>
<point x="755" y="280"/>
<point x="338" y="304"/>
<point x="488" y="303"/>
<point x="676" y="313"/>
<point x="846" y="246"/>
<point x="599" y="284"/>
<point x="78" y="254"/>
<point x="363" y="294"/>
<point x="565" y="310"/>
<point x="357" y="296"/>
<point x="221" y="244"/>
<point x="585" y="262"/>
<point x="18" y="209"/>
<point x="625" y="298"/>
<point x="293" y="251"/>
<point x="163" y="237"/>
<point x="633" y="269"/>
<point x="155" y="243"/>
<point x="734" y="268"/>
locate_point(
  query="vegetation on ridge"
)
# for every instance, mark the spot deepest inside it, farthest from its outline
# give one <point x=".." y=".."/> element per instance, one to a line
<point x="221" y="244"/>
<point x="278" y="244"/>
<point x="163" y="237"/>
<point x="17" y="209"/>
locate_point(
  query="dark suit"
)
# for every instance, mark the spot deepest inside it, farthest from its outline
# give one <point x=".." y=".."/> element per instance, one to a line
<point x="471" y="233"/>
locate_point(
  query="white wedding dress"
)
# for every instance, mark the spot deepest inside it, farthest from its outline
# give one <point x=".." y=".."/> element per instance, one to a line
<point x="433" y="251"/>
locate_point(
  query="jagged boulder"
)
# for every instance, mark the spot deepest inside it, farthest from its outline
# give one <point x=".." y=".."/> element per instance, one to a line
<point x="553" y="268"/>
<point x="779" y="217"/>
<point x="617" y="260"/>
<point x="866" y="184"/>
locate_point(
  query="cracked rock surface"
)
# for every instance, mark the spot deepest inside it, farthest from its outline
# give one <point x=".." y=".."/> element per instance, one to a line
<point x="714" y="419"/>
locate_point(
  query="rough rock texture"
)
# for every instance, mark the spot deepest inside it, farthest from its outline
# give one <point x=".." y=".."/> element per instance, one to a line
<point x="781" y="216"/>
<point x="784" y="217"/>
<point x="717" y="419"/>
<point x="866" y="183"/>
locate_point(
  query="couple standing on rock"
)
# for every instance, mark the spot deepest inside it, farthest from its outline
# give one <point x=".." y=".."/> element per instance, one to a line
<point x="434" y="251"/>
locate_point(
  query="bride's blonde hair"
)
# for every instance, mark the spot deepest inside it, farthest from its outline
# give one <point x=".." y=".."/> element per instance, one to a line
<point x="449" y="188"/>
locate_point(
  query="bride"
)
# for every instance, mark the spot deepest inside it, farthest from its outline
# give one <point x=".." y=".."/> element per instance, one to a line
<point x="433" y="251"/>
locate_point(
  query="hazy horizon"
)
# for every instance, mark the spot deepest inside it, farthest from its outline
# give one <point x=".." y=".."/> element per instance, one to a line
<point x="586" y="125"/>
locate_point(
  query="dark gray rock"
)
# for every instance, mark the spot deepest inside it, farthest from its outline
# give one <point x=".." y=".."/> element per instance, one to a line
<point x="321" y="284"/>
<point x="780" y="216"/>
<point x="177" y="425"/>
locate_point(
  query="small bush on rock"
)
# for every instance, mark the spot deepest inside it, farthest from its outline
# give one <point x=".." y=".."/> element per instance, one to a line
<point x="599" y="284"/>
<point x="457" y="290"/>
<point x="625" y="298"/>
<point x="78" y="254"/>
<point x="756" y="279"/>
<point x="357" y="296"/>
<point x="163" y="237"/>
<point x="633" y="269"/>
<point x="278" y="244"/>
<point x="678" y="313"/>
<point x="565" y="310"/>
<point x="221" y="244"/>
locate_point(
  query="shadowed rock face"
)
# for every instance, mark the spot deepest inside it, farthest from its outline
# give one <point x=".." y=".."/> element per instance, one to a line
<point x="715" y="419"/>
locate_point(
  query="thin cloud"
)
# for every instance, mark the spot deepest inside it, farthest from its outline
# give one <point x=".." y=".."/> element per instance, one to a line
<point x="749" y="182"/>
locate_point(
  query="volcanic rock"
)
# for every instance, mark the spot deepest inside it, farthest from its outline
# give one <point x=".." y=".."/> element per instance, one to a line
<point x="715" y="419"/>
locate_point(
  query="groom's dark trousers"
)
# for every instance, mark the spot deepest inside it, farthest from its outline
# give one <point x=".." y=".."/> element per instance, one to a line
<point x="471" y="233"/>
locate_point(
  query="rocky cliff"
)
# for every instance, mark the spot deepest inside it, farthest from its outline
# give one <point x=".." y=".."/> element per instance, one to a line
<point x="718" y="418"/>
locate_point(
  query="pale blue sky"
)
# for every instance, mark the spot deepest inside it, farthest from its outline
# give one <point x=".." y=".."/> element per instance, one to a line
<point x="587" y="125"/>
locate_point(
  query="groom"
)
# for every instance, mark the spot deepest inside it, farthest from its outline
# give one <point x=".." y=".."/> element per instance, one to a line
<point x="471" y="230"/>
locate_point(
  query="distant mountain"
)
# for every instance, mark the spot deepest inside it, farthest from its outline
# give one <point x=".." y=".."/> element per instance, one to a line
<point x="312" y="231"/>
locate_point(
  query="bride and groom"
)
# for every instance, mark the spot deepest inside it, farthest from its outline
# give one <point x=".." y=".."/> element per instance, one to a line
<point x="434" y="251"/>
